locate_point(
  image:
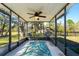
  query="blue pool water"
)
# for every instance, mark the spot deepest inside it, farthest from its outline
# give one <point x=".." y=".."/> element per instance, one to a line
<point x="37" y="48"/>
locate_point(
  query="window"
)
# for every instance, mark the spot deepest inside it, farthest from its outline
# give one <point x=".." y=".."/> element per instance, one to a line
<point x="14" y="29"/>
<point x="52" y="29"/>
<point x="4" y="29"/>
<point x="73" y="28"/>
<point x="60" y="33"/>
<point x="22" y="29"/>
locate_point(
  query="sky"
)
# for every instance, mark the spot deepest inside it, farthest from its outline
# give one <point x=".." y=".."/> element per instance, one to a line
<point x="72" y="13"/>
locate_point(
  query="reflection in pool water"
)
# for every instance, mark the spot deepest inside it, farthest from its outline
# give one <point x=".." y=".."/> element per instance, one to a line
<point x="37" y="48"/>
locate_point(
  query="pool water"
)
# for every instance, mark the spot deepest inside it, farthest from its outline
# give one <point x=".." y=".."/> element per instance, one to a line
<point x="37" y="48"/>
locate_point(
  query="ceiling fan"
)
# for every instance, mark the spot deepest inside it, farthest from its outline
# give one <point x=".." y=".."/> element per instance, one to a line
<point x="37" y="15"/>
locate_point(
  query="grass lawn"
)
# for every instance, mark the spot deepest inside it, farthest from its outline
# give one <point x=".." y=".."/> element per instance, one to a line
<point x="73" y="38"/>
<point x="5" y="40"/>
<point x="72" y="42"/>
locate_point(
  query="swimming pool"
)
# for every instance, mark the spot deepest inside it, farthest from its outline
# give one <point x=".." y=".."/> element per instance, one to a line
<point x="37" y="48"/>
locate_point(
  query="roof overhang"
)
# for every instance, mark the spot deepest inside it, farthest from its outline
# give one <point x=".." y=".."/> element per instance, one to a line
<point x="49" y="9"/>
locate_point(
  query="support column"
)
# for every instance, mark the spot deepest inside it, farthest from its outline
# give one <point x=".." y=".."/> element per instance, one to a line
<point x="27" y="28"/>
<point x="65" y="31"/>
<point x="43" y="27"/>
<point x="18" y="33"/>
<point x="9" y="46"/>
<point x="55" y="31"/>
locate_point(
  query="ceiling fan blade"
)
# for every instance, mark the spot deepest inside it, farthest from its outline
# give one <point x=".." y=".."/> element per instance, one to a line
<point x="40" y="12"/>
<point x="30" y="13"/>
<point x="43" y="16"/>
<point x="31" y="16"/>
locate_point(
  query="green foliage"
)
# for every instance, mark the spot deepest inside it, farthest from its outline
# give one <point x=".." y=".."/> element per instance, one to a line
<point x="70" y="25"/>
<point x="60" y="27"/>
<point x="1" y="17"/>
<point x="70" y="21"/>
<point x="52" y="25"/>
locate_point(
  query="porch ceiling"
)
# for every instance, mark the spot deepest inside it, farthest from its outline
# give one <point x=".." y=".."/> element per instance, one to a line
<point x="49" y="9"/>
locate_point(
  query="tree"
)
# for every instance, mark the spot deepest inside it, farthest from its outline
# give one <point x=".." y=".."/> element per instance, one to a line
<point x="1" y="18"/>
<point x="3" y="23"/>
<point x="77" y="26"/>
<point x="52" y="25"/>
<point x="70" y="25"/>
<point x="60" y="27"/>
